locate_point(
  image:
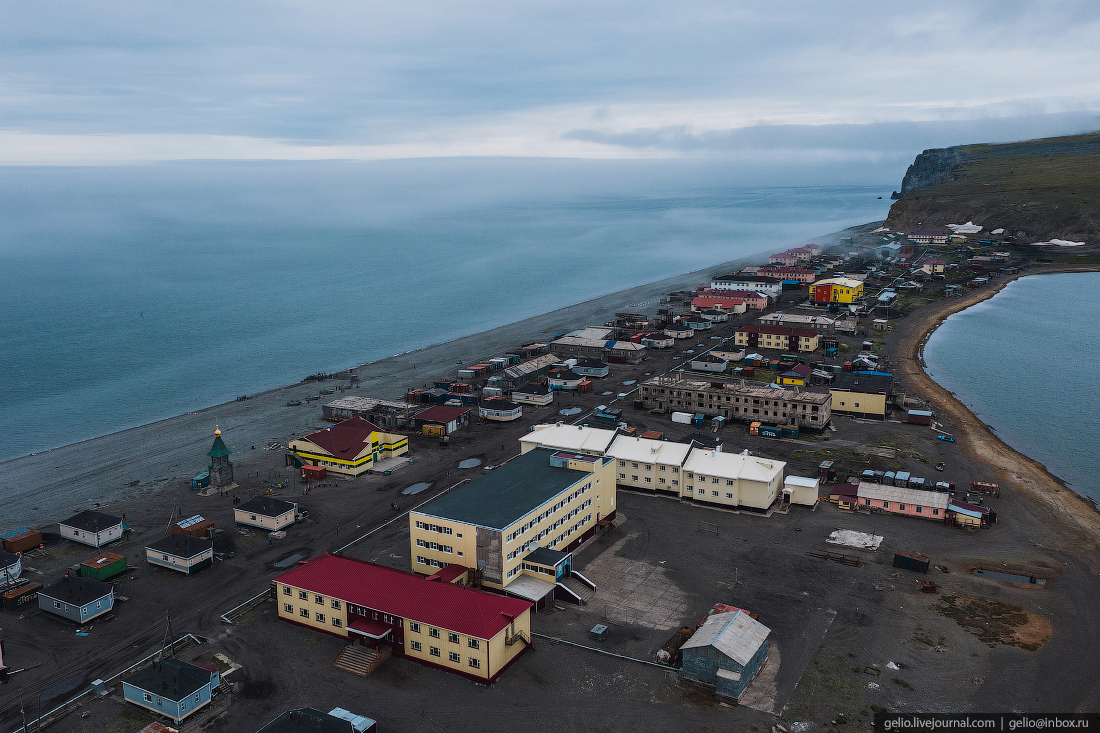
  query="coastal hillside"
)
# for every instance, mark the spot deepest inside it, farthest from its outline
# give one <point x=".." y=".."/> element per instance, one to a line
<point x="1035" y="190"/>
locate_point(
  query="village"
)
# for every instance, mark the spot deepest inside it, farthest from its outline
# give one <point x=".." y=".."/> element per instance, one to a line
<point x="693" y="508"/>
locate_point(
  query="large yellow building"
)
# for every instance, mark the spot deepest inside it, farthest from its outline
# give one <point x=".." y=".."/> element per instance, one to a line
<point x="350" y="448"/>
<point x="836" y="290"/>
<point x="439" y="624"/>
<point x="516" y="525"/>
<point x="862" y="394"/>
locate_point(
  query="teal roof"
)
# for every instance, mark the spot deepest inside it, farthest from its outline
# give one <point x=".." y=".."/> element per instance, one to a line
<point x="219" y="449"/>
<point x="506" y="494"/>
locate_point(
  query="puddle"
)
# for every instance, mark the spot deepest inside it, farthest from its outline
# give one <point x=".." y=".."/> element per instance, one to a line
<point x="570" y="411"/>
<point x="417" y="488"/>
<point x="689" y="351"/>
<point x="605" y="394"/>
<point x="1011" y="577"/>
<point x="288" y="562"/>
<point x="629" y="382"/>
<point x="469" y="463"/>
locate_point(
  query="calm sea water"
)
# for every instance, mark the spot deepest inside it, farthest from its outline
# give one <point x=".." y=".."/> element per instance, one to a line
<point x="134" y="294"/>
<point x="1024" y="361"/>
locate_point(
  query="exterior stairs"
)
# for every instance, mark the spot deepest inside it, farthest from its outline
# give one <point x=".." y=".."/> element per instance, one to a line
<point x="583" y="592"/>
<point x="361" y="660"/>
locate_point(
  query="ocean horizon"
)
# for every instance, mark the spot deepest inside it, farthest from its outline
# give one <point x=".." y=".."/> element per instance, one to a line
<point x="137" y="294"/>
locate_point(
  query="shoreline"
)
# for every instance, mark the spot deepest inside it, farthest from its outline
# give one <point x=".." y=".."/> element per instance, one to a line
<point x="164" y="454"/>
<point x="1017" y="471"/>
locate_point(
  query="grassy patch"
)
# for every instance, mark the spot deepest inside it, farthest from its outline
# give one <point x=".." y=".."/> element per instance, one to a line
<point x="209" y="658"/>
<point x="995" y="622"/>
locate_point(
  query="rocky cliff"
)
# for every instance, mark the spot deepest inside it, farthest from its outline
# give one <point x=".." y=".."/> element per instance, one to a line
<point x="1036" y="190"/>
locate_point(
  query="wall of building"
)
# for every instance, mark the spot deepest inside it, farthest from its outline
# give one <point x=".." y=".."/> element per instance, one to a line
<point x="290" y="605"/>
<point x="176" y="711"/>
<point x="911" y="510"/>
<point x="80" y="614"/>
<point x="859" y="403"/>
<point x="454" y="542"/>
<point x="732" y="405"/>
<point x="662" y="477"/>
<point x="448" y="643"/>
<point x="262" y="521"/>
<point x="95" y="539"/>
<point x="500" y="653"/>
<point x="183" y="564"/>
<point x="731" y="492"/>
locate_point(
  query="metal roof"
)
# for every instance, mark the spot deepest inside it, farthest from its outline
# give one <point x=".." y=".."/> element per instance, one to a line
<point x="647" y="450"/>
<point x="903" y="495"/>
<point x="534" y="365"/>
<point x="570" y="437"/>
<point x="732" y="465"/>
<point x="268" y="506"/>
<point x="190" y="521"/>
<point x="92" y="521"/>
<point x="170" y="678"/>
<point x="809" y="483"/>
<point x="736" y="634"/>
<point x="181" y="545"/>
<point x="347" y="440"/>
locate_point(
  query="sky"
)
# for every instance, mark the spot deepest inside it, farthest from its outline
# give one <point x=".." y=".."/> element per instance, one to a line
<point x="852" y="87"/>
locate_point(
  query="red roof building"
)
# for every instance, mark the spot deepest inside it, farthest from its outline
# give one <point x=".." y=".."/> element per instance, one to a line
<point x="763" y="336"/>
<point x="348" y="448"/>
<point x="729" y="305"/>
<point x="432" y="621"/>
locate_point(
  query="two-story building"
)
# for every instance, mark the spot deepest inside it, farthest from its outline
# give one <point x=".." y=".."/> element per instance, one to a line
<point x="764" y="336"/>
<point x="757" y="283"/>
<point x="439" y="624"/>
<point x="350" y="448"/>
<point x="862" y="394"/>
<point x="543" y="498"/>
<point x="647" y="464"/>
<point x="718" y="302"/>
<point x="844" y="290"/>
<point x="733" y="480"/>
<point x="796" y="274"/>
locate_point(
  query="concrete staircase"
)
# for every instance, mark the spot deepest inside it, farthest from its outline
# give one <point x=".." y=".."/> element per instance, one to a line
<point x="583" y="592"/>
<point x="361" y="660"/>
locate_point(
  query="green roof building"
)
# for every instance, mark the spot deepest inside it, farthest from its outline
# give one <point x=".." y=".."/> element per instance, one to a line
<point x="221" y="468"/>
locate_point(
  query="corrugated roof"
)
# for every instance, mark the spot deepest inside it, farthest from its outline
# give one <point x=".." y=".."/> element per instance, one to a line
<point x="809" y="483"/>
<point x="346" y="439"/>
<point x="732" y="465"/>
<point x="647" y="450"/>
<point x="534" y="365"/>
<point x="903" y="495"/>
<point x="442" y="414"/>
<point x="737" y="635"/>
<point x="571" y="437"/>
<point x="454" y="608"/>
<point x="218" y="449"/>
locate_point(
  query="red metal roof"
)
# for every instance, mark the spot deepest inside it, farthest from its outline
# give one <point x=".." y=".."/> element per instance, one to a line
<point x="442" y="414"/>
<point x="346" y="439"/>
<point x="449" y="573"/>
<point x="367" y="627"/>
<point x="455" y="608"/>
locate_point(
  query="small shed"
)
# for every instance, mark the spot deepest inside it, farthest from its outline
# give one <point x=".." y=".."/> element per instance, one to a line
<point x="533" y="394"/>
<point x="500" y="410"/>
<point x="171" y="687"/>
<point x="104" y="566"/>
<point x="181" y="552"/>
<point x="801" y="490"/>
<point x="92" y="528"/>
<point x="310" y="720"/>
<point x="195" y="526"/>
<point x="726" y="653"/>
<point x="77" y="598"/>
<point x="313" y="473"/>
<point x="442" y="420"/>
<point x="22" y="540"/>
<point x="919" y="417"/>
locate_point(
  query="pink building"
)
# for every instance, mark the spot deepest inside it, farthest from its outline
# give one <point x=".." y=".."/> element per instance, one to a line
<point x="722" y="303"/>
<point x="756" y="301"/>
<point x="903" y="500"/>
<point x="801" y="274"/>
<point x="784" y="258"/>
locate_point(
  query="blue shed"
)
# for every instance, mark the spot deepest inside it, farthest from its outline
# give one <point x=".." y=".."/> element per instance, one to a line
<point x="726" y="653"/>
<point x="171" y="687"/>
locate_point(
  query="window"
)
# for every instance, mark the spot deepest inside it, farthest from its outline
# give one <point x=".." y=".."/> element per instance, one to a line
<point x="453" y="638"/>
<point x="148" y="697"/>
<point x="336" y="604"/>
<point x="473" y="644"/>
<point x="729" y="495"/>
<point x="56" y="604"/>
<point x="675" y="482"/>
<point x="714" y="480"/>
<point x="935" y="512"/>
<point x="414" y="627"/>
<point x="648" y="480"/>
<point x="729" y="482"/>
<point x="319" y="599"/>
<point x="622" y="463"/>
<point x="660" y="480"/>
<point x="337" y="622"/>
<point x="303" y="595"/>
<point x="901" y="506"/>
<point x="286" y="590"/>
<point x="885" y="505"/>
<point x="252" y="517"/>
<point x="434" y="633"/>
<point x="867" y="502"/>
<point x="434" y="651"/>
<point x="321" y="617"/>
<point x="415" y="645"/>
<point x="475" y="663"/>
<point x="702" y="491"/>
<point x="455" y="657"/>
<point x="196" y="697"/>
<point x="288" y="608"/>
<point x="633" y="478"/>
<point x="304" y="613"/>
<point x="714" y="493"/>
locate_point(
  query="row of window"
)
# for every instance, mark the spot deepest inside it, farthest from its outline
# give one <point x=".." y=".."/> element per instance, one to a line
<point x="430" y="562"/>
<point x="702" y="492"/>
<point x="688" y="396"/>
<point x="546" y="513"/>
<point x="319" y="617"/>
<point x="552" y="543"/>
<point x="436" y="546"/>
<point x="648" y="480"/>
<point x="453" y="656"/>
<point x="304" y="595"/>
<point x="414" y="628"/>
<point x="918" y="508"/>
<point x="562" y="520"/>
<point x="434" y="528"/>
<point x="648" y="467"/>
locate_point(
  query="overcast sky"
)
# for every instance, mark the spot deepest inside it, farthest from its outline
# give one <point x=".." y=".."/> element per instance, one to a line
<point x="765" y="83"/>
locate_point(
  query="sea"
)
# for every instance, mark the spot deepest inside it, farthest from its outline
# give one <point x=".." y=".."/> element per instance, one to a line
<point x="139" y="293"/>
<point x="1024" y="362"/>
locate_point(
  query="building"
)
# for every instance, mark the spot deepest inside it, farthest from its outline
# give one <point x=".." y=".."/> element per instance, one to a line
<point x="350" y="448"/>
<point x="182" y="553"/>
<point x="543" y="498"/>
<point x="530" y="371"/>
<point x="615" y="352"/>
<point x="436" y="623"/>
<point x="266" y="512"/>
<point x="929" y="237"/>
<point x="836" y="290"/>
<point x="934" y="266"/>
<point x="309" y="720"/>
<point x="731" y="479"/>
<point x="821" y="324"/>
<point x="781" y="273"/>
<point x="647" y="464"/>
<point x="21" y="540"/>
<point x="385" y="414"/>
<point x="785" y="259"/>
<point x="77" y="598"/>
<point x="92" y="528"/>
<point x="903" y="500"/>
<point x="737" y="401"/>
<point x="679" y="332"/>
<point x="797" y="376"/>
<point x="441" y="420"/>
<point x="726" y="653"/>
<point x="103" y="566"/>
<point x="497" y="409"/>
<point x="220" y="470"/>
<point x="763" y="336"/>
<point x="171" y="687"/>
<point x="801" y="490"/>
<point x="862" y="394"/>
<point x="533" y="394"/>
<point x="564" y="379"/>
<point x="718" y="302"/>
<point x="592" y="368"/>
<point x="195" y="526"/>
<point x="709" y="363"/>
<point x="575" y="438"/>
<point x="11" y="567"/>
<point x="657" y="340"/>
<point x="770" y="286"/>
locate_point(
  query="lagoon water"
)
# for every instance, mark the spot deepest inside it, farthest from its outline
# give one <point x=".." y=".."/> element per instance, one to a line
<point x="1024" y="362"/>
<point x="134" y="294"/>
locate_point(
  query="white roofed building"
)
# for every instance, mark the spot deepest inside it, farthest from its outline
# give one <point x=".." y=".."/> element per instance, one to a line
<point x="731" y="479"/>
<point x="577" y="438"/>
<point x="651" y="465"/>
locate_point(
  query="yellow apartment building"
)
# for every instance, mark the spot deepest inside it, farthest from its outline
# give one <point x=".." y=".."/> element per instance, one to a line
<point x="731" y="479"/>
<point x="439" y="624"/>
<point x="862" y="394"/>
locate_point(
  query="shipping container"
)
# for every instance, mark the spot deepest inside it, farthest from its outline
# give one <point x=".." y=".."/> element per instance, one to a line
<point x="981" y="487"/>
<point x="201" y="481"/>
<point x="754" y="428"/>
<point x="911" y="561"/>
<point x="769" y="431"/>
<point x="683" y="418"/>
<point x="788" y="431"/>
<point x="585" y="386"/>
<point x="313" y="473"/>
<point x="869" y="475"/>
<point x="22" y="594"/>
<point x="103" y="567"/>
<point x="919" y="417"/>
<point x="888" y="478"/>
<point x="22" y="540"/>
<point x="901" y="478"/>
<point x="748" y="371"/>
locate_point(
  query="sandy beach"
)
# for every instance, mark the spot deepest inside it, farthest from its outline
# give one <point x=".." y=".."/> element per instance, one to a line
<point x="1016" y="470"/>
<point x="163" y="456"/>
